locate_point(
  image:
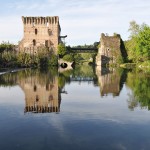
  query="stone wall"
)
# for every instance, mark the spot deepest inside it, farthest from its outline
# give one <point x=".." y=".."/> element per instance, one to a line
<point x="110" y="50"/>
<point x="40" y="32"/>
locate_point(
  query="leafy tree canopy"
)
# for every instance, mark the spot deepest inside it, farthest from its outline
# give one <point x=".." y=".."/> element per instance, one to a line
<point x="62" y="49"/>
<point x="138" y="45"/>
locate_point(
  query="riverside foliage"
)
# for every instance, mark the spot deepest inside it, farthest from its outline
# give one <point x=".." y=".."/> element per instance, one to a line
<point x="138" y="45"/>
<point x="10" y="58"/>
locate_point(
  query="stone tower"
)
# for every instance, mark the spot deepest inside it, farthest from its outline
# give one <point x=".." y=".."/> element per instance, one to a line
<point x="40" y="32"/>
<point x="111" y="50"/>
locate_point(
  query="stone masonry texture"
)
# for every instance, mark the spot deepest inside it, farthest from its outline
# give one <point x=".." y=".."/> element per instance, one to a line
<point x="40" y="32"/>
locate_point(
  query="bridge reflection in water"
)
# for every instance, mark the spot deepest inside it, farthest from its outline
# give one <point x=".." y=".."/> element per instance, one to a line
<point x="43" y="89"/>
<point x="45" y="96"/>
<point x="110" y="81"/>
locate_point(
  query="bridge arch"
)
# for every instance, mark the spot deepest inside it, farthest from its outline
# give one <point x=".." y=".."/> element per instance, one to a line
<point x="64" y="65"/>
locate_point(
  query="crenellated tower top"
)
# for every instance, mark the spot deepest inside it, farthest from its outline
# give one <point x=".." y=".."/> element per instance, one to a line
<point x="40" y="32"/>
<point x="40" y="20"/>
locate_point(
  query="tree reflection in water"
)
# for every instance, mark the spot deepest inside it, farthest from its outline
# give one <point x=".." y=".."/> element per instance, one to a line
<point x="139" y="83"/>
<point x="40" y="88"/>
<point x="43" y="88"/>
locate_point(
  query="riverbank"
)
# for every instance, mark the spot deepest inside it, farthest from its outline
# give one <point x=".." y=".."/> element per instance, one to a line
<point x="144" y="66"/>
<point x="8" y="70"/>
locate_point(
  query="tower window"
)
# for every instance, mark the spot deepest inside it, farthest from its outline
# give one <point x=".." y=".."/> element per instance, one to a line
<point x="36" y="31"/>
<point x="37" y="98"/>
<point x="51" y="98"/>
<point x="35" y="88"/>
<point x="34" y="42"/>
<point x="50" y="32"/>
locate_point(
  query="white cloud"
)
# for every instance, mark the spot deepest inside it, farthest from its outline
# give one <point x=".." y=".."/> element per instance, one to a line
<point x="82" y="20"/>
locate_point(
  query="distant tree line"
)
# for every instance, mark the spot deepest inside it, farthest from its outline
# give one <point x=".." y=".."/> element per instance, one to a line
<point x="6" y="46"/>
<point x="66" y="54"/>
<point x="94" y="45"/>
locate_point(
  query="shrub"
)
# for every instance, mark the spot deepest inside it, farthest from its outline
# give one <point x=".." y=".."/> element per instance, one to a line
<point x="62" y="49"/>
<point x="53" y="60"/>
<point x="68" y="57"/>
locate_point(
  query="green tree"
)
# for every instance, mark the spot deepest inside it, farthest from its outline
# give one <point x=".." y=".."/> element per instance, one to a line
<point x="143" y="43"/>
<point x="134" y="29"/>
<point x="138" y="45"/>
<point x="139" y="83"/>
<point x="68" y="57"/>
<point x="5" y="46"/>
<point x="62" y="49"/>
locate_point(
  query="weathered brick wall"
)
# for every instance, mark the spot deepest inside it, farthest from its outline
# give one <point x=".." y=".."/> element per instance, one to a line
<point x="110" y="50"/>
<point x="40" y="32"/>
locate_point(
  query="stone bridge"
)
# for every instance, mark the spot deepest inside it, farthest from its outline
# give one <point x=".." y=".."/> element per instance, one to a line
<point x="65" y="64"/>
<point x="83" y="50"/>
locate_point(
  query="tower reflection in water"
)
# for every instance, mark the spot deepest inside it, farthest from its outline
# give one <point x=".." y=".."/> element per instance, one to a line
<point x="43" y="90"/>
<point x="110" y="80"/>
<point x="41" y="93"/>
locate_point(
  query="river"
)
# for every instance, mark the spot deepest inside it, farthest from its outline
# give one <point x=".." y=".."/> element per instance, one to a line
<point x="81" y="109"/>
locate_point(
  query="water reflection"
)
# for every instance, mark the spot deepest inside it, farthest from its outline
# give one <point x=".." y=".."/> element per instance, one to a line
<point x="110" y="80"/>
<point x="41" y="96"/>
<point x="100" y="122"/>
<point x="43" y="89"/>
<point x="40" y="88"/>
<point x="139" y="83"/>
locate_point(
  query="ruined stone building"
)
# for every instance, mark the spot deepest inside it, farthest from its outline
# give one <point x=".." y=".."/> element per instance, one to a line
<point x="40" y="32"/>
<point x="111" y="50"/>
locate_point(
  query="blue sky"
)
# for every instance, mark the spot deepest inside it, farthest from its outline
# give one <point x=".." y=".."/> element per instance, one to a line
<point x="82" y="20"/>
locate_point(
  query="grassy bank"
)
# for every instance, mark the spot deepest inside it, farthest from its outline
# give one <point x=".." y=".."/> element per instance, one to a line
<point x="143" y="66"/>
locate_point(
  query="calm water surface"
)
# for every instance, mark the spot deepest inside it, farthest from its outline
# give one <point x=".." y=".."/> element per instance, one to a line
<point x="82" y="109"/>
